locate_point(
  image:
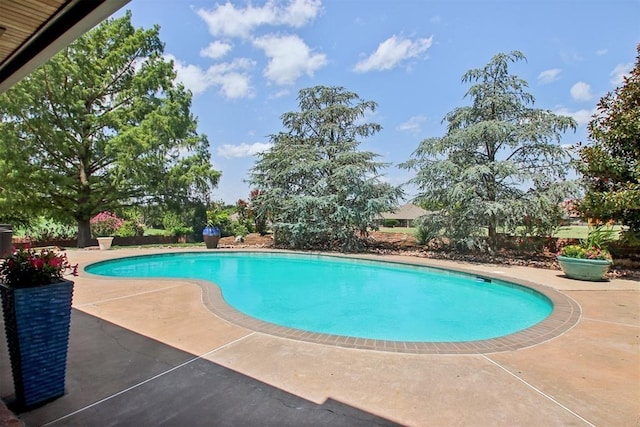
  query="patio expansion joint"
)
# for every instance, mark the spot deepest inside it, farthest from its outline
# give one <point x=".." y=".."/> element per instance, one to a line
<point x="148" y="380"/>
<point x="629" y="325"/>
<point x="537" y="390"/>
<point x="86" y="304"/>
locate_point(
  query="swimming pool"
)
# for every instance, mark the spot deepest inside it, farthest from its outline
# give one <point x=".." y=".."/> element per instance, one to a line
<point x="351" y="297"/>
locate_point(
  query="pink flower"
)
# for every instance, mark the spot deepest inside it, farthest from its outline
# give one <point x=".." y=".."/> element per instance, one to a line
<point x="37" y="263"/>
<point x="27" y="267"/>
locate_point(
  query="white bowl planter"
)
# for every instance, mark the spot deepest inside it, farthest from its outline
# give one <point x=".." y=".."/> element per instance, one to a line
<point x="105" y="243"/>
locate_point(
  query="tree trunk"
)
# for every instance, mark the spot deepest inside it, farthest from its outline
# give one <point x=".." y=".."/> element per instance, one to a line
<point x="493" y="234"/>
<point x="84" y="233"/>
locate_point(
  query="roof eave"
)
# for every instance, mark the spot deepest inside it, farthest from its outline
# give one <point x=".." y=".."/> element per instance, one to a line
<point x="75" y="19"/>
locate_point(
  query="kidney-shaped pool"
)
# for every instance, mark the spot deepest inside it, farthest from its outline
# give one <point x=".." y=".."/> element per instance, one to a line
<point x="351" y="297"/>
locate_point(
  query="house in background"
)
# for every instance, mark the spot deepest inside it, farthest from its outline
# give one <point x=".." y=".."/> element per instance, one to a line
<point x="405" y="214"/>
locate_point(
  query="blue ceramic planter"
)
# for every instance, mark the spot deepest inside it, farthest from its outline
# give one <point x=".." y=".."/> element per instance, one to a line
<point x="37" y="322"/>
<point x="211" y="237"/>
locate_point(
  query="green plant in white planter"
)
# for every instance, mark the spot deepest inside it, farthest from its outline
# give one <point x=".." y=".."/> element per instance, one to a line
<point x="36" y="302"/>
<point x="589" y="260"/>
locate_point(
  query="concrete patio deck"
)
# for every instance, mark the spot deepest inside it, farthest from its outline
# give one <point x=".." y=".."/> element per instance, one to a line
<point x="149" y="352"/>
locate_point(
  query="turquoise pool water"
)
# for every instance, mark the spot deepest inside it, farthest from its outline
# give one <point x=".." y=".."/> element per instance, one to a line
<point x="350" y="297"/>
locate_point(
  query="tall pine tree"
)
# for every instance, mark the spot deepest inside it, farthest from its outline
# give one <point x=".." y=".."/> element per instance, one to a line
<point x="101" y="125"/>
<point x="316" y="187"/>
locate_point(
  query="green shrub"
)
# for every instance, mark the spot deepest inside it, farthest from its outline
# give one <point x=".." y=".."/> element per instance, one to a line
<point x="428" y="227"/>
<point x="239" y="229"/>
<point x="43" y="229"/>
<point x="391" y="223"/>
<point x="174" y="226"/>
<point x="129" y="229"/>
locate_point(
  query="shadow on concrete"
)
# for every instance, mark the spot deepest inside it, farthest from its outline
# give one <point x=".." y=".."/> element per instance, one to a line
<point x="116" y="377"/>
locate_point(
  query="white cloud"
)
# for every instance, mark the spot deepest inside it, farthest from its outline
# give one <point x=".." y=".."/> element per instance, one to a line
<point x="230" y="77"/>
<point x="581" y="91"/>
<point x="215" y="50"/>
<point x="280" y="93"/>
<point x="289" y="58"/>
<point x="392" y="52"/>
<point x="226" y="19"/>
<point x="619" y="72"/>
<point x="413" y="125"/>
<point x="601" y="52"/>
<point x="192" y="77"/>
<point x="581" y="116"/>
<point x="243" y="150"/>
<point x="549" y="76"/>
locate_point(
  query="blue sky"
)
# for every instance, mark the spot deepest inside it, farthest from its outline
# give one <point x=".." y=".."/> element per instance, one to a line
<point x="246" y="61"/>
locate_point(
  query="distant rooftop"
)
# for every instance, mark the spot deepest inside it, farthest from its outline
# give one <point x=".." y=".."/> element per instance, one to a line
<point x="406" y="212"/>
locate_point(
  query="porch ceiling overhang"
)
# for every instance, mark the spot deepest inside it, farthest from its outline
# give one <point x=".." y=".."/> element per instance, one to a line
<point x="32" y="31"/>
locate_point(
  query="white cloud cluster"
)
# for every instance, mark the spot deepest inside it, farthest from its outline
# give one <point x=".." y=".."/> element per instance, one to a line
<point x="413" y="125"/>
<point x="582" y="117"/>
<point x="549" y="76"/>
<point x="242" y="150"/>
<point x="392" y="52"/>
<point x="232" y="78"/>
<point x="227" y="20"/>
<point x="289" y="58"/>
<point x="216" y="49"/>
<point x="618" y="73"/>
<point x="581" y="91"/>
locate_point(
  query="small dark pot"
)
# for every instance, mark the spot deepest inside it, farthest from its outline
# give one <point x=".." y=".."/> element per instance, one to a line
<point x="37" y="322"/>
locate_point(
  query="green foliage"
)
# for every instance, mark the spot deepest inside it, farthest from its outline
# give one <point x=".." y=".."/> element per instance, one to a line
<point x="246" y="217"/>
<point x="174" y="225"/>
<point x="594" y="246"/>
<point x="391" y="223"/>
<point x="100" y="126"/>
<point x="47" y="229"/>
<point x="134" y="222"/>
<point x="318" y="190"/>
<point x="611" y="164"/>
<point x="579" y="251"/>
<point x="239" y="229"/>
<point x="494" y="149"/>
<point x="259" y="216"/>
<point x="599" y="237"/>
<point x="428" y="228"/>
<point x="129" y="229"/>
<point x="220" y="216"/>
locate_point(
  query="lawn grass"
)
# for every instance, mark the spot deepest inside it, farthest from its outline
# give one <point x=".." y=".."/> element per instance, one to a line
<point x="568" y="232"/>
<point x="403" y="230"/>
<point x="580" y="232"/>
<point x="154" y="232"/>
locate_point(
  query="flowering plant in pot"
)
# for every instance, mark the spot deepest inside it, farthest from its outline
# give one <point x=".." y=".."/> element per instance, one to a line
<point x="590" y="259"/>
<point x="103" y="227"/>
<point x="36" y="304"/>
<point x="27" y="267"/>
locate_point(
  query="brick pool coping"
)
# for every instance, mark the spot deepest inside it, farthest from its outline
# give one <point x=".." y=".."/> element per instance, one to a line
<point x="566" y="314"/>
